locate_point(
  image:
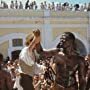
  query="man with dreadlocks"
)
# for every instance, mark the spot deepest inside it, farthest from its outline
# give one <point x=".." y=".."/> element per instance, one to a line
<point x="68" y="64"/>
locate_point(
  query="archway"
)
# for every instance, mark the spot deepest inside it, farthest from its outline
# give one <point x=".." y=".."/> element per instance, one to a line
<point x="81" y="47"/>
<point x="15" y="54"/>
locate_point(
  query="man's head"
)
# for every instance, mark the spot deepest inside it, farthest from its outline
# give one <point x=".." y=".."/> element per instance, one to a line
<point x="66" y="40"/>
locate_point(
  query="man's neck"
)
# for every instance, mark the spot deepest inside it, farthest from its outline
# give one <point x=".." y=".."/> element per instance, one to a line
<point x="70" y="51"/>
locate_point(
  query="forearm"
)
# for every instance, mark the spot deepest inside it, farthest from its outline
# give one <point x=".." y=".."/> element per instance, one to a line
<point x="32" y="45"/>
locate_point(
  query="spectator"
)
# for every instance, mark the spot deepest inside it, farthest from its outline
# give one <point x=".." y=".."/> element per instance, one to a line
<point x="5" y="77"/>
<point x="31" y="5"/>
<point x="49" y="6"/>
<point x="43" y="83"/>
<point x="12" y="5"/>
<point x="27" y="5"/>
<point x="59" y="7"/>
<point x="85" y="7"/>
<point x="36" y="82"/>
<point x="53" y="6"/>
<point x="5" y="6"/>
<point x="20" y="5"/>
<point x="76" y="6"/>
<point x="81" y="8"/>
<point x="1" y="5"/>
<point x="42" y="6"/>
<point x="16" y="4"/>
<point x="88" y="9"/>
<point x="45" y="5"/>
<point x="71" y="7"/>
<point x="7" y="59"/>
<point x="35" y="5"/>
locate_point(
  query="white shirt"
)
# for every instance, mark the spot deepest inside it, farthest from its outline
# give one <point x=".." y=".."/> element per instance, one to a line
<point x="25" y="55"/>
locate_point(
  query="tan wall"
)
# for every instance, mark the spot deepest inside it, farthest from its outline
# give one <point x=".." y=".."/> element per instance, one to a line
<point x="22" y="21"/>
<point x="3" y="48"/>
<point x="59" y="31"/>
<point x="22" y="13"/>
<point x="38" y="19"/>
<point x="5" y="31"/>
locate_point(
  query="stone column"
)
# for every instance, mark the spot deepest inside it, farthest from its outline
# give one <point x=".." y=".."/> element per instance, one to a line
<point x="47" y="30"/>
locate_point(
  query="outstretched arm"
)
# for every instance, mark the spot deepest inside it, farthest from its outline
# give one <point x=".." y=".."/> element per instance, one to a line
<point x="50" y="53"/>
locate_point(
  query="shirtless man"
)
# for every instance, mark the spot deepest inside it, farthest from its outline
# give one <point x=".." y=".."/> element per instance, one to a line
<point x="68" y="64"/>
<point x="5" y="77"/>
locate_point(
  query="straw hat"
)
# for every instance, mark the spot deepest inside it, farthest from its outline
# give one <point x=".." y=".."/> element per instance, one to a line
<point x="29" y="38"/>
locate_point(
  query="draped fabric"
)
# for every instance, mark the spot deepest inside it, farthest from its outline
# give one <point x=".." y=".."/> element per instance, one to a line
<point x="28" y="64"/>
<point x="25" y="56"/>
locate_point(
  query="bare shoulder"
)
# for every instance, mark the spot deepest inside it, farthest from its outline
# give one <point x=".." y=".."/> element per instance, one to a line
<point x="59" y="58"/>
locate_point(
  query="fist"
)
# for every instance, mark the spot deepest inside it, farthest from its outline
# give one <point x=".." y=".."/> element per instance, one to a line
<point x="36" y="33"/>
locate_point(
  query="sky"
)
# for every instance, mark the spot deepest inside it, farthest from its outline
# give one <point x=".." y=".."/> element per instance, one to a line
<point x="62" y="1"/>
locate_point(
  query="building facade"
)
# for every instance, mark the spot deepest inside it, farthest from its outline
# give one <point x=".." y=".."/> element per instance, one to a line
<point x="15" y="25"/>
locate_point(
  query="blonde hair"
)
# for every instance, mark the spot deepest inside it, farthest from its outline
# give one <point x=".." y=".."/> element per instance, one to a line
<point x="29" y="38"/>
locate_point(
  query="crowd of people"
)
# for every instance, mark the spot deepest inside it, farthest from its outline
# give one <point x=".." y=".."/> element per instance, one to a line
<point x="45" y="6"/>
<point x="40" y="81"/>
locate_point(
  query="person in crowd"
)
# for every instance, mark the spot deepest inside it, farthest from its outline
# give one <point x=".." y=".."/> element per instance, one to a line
<point x="88" y="8"/>
<point x="42" y="6"/>
<point x="36" y="82"/>
<point x="27" y="5"/>
<point x="20" y="5"/>
<point x="53" y="6"/>
<point x="5" y="77"/>
<point x="49" y="6"/>
<point x="45" y="5"/>
<point x="16" y="4"/>
<point x="12" y="5"/>
<point x="85" y="7"/>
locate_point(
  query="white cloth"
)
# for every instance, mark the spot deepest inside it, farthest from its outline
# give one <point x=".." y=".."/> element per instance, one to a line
<point x="25" y="55"/>
<point x="17" y="83"/>
<point x="38" y="68"/>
